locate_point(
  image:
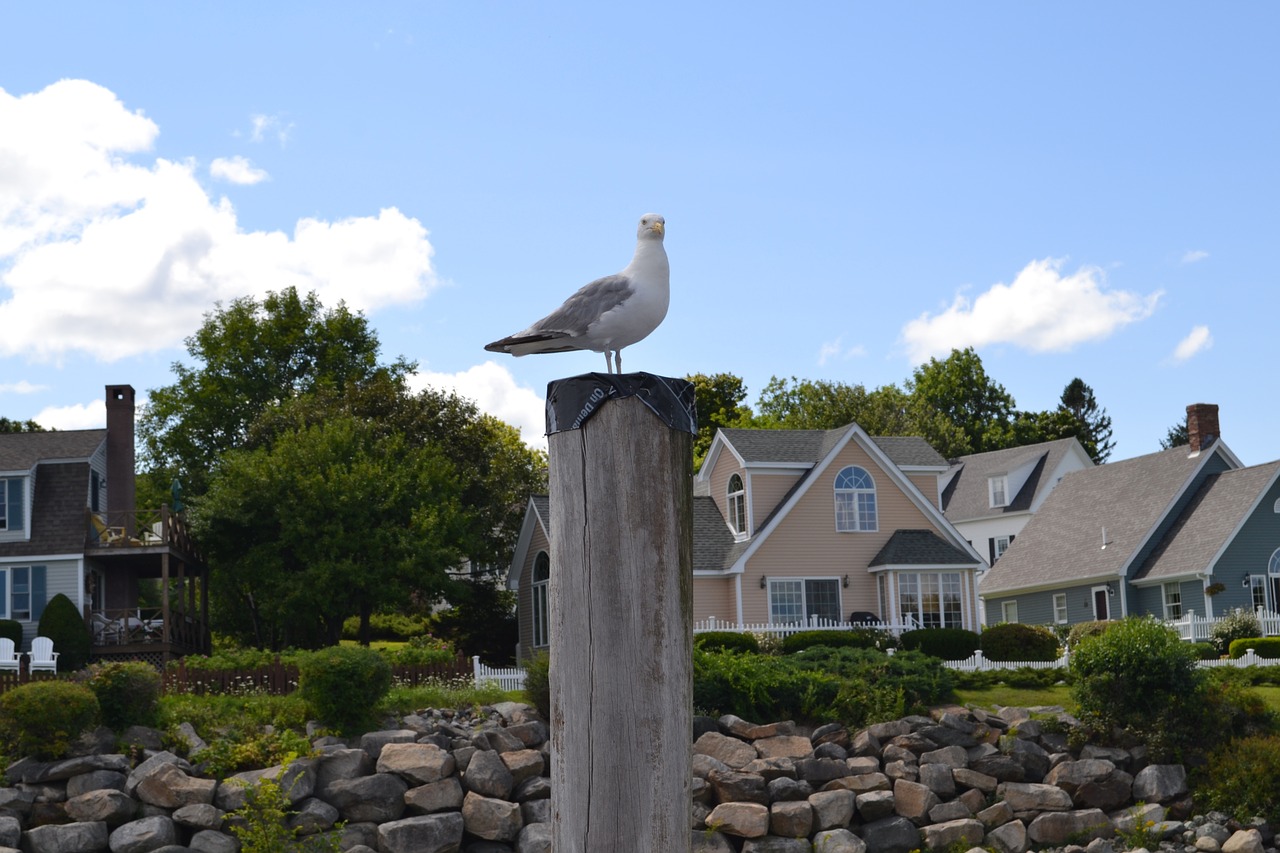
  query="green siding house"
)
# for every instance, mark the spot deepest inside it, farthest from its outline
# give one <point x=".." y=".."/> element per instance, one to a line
<point x="1189" y="530"/>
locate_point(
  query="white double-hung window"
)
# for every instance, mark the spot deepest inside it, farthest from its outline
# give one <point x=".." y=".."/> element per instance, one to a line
<point x="855" y="494"/>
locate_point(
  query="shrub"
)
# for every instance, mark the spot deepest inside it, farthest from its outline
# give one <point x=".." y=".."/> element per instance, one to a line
<point x="386" y="626"/>
<point x="1230" y="708"/>
<point x="1242" y="778"/>
<point x="41" y="719"/>
<point x="343" y="684"/>
<point x="1018" y="642"/>
<point x="1236" y="625"/>
<point x="1206" y="650"/>
<point x="537" y="683"/>
<point x="421" y="651"/>
<point x="943" y="643"/>
<point x="922" y="680"/>
<point x="12" y="629"/>
<point x="1080" y="630"/>
<point x="63" y="623"/>
<point x="761" y="687"/>
<point x="248" y="747"/>
<point x="1140" y="677"/>
<point x="128" y="693"/>
<point x="856" y="638"/>
<point x="722" y="640"/>
<point x="1264" y="647"/>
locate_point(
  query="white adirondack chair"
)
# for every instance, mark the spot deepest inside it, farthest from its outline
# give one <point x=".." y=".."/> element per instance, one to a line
<point x="43" y="657"/>
<point x="9" y="658"/>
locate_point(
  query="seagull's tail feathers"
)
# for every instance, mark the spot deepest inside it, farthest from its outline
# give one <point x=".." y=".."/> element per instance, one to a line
<point x="528" y="343"/>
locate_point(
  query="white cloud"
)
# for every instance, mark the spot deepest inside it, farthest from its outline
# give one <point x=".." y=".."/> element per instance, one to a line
<point x="265" y="125"/>
<point x="114" y="258"/>
<point x="1194" y="255"/>
<point x="237" y="170"/>
<point x="1197" y="341"/>
<point x="76" y="416"/>
<point x="21" y="387"/>
<point x="1041" y="311"/>
<point x="836" y="349"/>
<point x="495" y="391"/>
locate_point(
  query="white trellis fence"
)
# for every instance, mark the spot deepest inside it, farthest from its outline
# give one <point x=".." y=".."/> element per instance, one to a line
<point x="1200" y="628"/>
<point x="506" y="677"/>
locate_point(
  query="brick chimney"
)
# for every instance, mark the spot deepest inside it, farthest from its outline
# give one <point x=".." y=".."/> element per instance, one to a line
<point x="1202" y="426"/>
<point x="121" y="492"/>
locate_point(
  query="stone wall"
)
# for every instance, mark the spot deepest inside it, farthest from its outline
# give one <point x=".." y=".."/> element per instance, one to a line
<point x="442" y="782"/>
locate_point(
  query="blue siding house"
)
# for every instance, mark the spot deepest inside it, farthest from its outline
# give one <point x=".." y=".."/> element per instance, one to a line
<point x="1186" y="530"/>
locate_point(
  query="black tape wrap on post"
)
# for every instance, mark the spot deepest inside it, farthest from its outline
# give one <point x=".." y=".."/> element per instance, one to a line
<point x="571" y="401"/>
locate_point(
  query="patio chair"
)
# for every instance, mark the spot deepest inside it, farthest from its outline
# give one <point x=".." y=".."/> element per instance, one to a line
<point x="42" y="656"/>
<point x="107" y="631"/>
<point x="104" y="533"/>
<point x="9" y="657"/>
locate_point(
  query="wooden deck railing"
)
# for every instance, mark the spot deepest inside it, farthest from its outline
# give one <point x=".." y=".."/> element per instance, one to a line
<point x="138" y="528"/>
<point x="131" y="625"/>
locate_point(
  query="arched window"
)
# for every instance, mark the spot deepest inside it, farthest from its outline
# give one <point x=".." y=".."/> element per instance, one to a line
<point x="855" y="500"/>
<point x="541" y="609"/>
<point x="737" y="500"/>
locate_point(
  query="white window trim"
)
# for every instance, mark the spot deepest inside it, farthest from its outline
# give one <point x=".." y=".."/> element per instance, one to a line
<point x="1000" y="549"/>
<point x="1165" y="589"/>
<point x="1003" y="482"/>
<point x="1009" y="611"/>
<point x="875" y="496"/>
<point x="1093" y="602"/>
<point x="738" y="497"/>
<point x="1060" y="608"/>
<point x="541" y="602"/>
<point x="804" y="602"/>
<point x="918" y="615"/>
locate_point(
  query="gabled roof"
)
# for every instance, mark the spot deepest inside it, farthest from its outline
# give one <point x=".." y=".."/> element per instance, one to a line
<point x="20" y="451"/>
<point x="966" y="497"/>
<point x="913" y="452"/>
<point x="1220" y="507"/>
<point x="1063" y="541"/>
<point x="59" y="523"/>
<point x="919" y="548"/>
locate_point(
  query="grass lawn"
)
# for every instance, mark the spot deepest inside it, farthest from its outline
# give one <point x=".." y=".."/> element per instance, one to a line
<point x="1022" y="697"/>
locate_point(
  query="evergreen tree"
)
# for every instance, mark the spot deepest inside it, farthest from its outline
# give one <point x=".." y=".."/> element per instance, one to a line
<point x="1078" y="399"/>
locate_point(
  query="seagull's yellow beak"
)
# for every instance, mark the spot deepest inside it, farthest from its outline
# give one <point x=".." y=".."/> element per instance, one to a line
<point x="660" y="228"/>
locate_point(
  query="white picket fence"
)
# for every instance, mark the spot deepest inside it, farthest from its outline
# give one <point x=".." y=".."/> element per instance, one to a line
<point x="978" y="663"/>
<point x="506" y="677"/>
<point x="1200" y="628"/>
<point x="786" y="629"/>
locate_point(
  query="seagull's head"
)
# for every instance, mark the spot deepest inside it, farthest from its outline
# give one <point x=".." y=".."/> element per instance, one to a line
<point x="652" y="226"/>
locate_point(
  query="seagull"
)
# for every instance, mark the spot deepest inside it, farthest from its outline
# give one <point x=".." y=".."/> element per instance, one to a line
<point x="609" y="313"/>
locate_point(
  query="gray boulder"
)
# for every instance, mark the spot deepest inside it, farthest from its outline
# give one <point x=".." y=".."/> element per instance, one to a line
<point x="143" y="835"/>
<point x="1057" y="828"/>
<point x="1009" y="837"/>
<point x="705" y="842"/>
<point x="832" y="809"/>
<point x="416" y="763"/>
<point x="891" y="835"/>
<point x="791" y="819"/>
<point x="729" y="750"/>
<point x="199" y="816"/>
<point x="1160" y="783"/>
<point x="168" y="787"/>
<point x="774" y="844"/>
<point x="442" y="796"/>
<point x="313" y="816"/>
<point x="536" y="838"/>
<point x="373" y="742"/>
<point x="438" y="833"/>
<point x="341" y="764"/>
<point x="95" y="780"/>
<point x="377" y="798"/>
<point x="745" y="820"/>
<point x="488" y="776"/>
<point x="66" y="838"/>
<point x="212" y="841"/>
<point x="838" y="841"/>
<point x="109" y="806"/>
<point x="490" y="818"/>
<point x="941" y="836"/>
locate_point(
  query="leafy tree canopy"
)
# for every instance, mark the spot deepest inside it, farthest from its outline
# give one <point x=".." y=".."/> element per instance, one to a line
<point x="720" y="403"/>
<point x="251" y="356"/>
<point x="1176" y="436"/>
<point x="328" y="521"/>
<point x="958" y="408"/>
<point x="1095" y="423"/>
<point x="8" y="426"/>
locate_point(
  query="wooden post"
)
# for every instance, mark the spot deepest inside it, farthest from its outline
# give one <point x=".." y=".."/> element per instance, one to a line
<point x="621" y="596"/>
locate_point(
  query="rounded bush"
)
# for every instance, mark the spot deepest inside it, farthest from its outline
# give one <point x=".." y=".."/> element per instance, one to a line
<point x="856" y="638"/>
<point x="1141" y="677"/>
<point x="344" y="684"/>
<point x="1080" y="630"/>
<point x="128" y="693"/>
<point x="12" y="629"/>
<point x="1014" y="641"/>
<point x="732" y="640"/>
<point x="1236" y="625"/>
<point x="1206" y="651"/>
<point x="43" y="718"/>
<point x="943" y="643"/>
<point x="63" y="623"/>
<point x="1263" y="647"/>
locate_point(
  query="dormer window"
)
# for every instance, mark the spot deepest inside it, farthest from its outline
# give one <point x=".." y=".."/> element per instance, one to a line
<point x="855" y="501"/>
<point x="11" y="504"/>
<point x="737" y="500"/>
<point x="999" y="488"/>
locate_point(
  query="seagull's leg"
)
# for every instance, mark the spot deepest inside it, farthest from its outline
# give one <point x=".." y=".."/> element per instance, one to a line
<point x="608" y="362"/>
<point x="617" y="358"/>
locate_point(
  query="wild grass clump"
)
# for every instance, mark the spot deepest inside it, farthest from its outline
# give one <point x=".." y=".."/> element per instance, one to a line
<point x="1242" y="778"/>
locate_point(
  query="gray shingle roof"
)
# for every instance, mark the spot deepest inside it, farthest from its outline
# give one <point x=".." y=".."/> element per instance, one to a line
<point x="909" y="451"/>
<point x="58" y="513"/>
<point x="20" y="451"/>
<point x="1063" y="540"/>
<point x="919" y="548"/>
<point x="1219" y="506"/>
<point x="801" y="446"/>
<point x="966" y="496"/>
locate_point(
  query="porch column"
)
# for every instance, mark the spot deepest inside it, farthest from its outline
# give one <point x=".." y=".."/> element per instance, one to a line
<point x="164" y="597"/>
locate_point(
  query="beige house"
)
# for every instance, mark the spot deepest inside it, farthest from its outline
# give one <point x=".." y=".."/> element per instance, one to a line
<point x="796" y="525"/>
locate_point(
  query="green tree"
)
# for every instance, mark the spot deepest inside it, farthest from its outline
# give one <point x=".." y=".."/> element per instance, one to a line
<point x="1078" y="399"/>
<point x="328" y="521"/>
<point x="823" y="404"/>
<point x="1176" y="436"/>
<point x="720" y="402"/>
<point x="251" y="356"/>
<point x="958" y="408"/>
<point x="8" y="426"/>
<point x="482" y="620"/>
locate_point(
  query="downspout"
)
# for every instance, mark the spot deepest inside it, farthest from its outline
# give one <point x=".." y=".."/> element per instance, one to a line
<point x="737" y="594"/>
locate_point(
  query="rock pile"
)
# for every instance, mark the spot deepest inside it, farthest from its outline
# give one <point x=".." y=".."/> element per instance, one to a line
<point x="439" y="782"/>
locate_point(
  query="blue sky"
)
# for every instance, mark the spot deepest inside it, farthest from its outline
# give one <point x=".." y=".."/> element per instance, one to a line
<point x="1075" y="190"/>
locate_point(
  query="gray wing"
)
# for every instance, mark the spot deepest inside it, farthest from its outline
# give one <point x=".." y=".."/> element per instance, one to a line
<point x="586" y="306"/>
